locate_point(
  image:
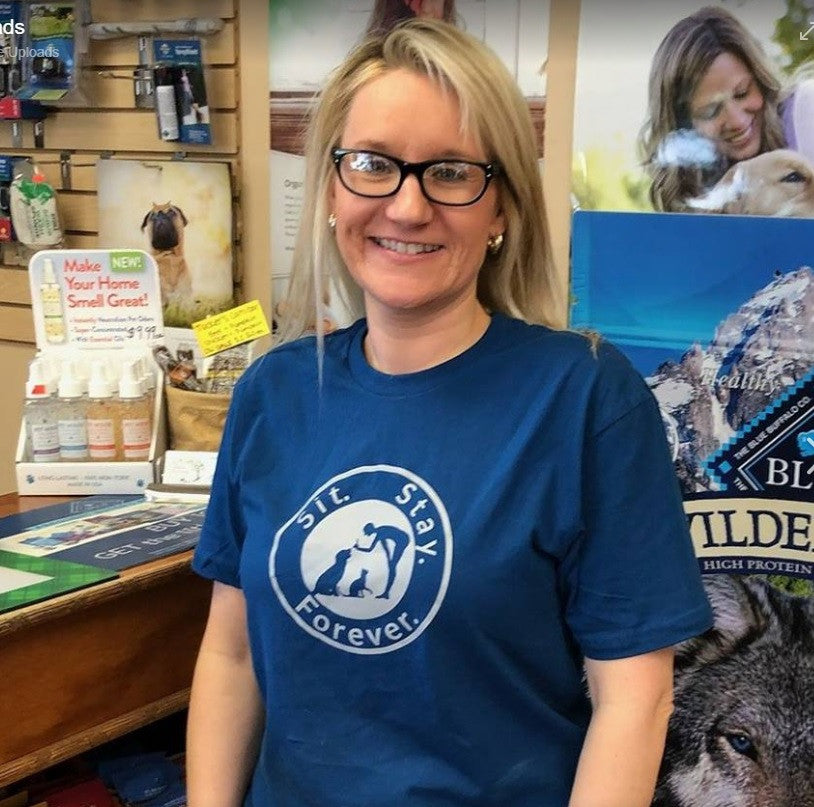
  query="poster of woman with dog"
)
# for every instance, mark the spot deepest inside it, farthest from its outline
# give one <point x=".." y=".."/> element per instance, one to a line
<point x="181" y="213"/>
<point x="709" y="107"/>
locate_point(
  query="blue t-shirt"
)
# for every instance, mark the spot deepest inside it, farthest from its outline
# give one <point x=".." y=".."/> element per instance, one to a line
<point x="427" y="557"/>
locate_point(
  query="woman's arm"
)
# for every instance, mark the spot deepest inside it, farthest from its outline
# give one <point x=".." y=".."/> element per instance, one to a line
<point x="632" y="700"/>
<point x="226" y="710"/>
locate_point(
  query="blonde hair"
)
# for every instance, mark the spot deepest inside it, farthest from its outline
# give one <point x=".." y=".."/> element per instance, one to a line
<point x="681" y="61"/>
<point x="518" y="281"/>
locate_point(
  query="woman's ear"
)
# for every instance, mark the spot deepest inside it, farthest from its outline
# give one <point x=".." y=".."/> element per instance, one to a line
<point x="498" y="226"/>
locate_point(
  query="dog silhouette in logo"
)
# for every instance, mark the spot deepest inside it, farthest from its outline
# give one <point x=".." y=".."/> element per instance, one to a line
<point x="742" y="733"/>
<point x="359" y="586"/>
<point x="394" y="541"/>
<point x="329" y="579"/>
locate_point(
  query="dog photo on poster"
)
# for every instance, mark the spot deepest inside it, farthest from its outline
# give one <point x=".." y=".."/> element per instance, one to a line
<point x="709" y="107"/>
<point x="181" y="213"/>
<point x="717" y="314"/>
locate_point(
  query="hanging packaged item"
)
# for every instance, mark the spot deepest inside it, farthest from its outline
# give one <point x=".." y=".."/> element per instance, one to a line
<point x="54" y="44"/>
<point x="181" y="60"/>
<point x="33" y="206"/>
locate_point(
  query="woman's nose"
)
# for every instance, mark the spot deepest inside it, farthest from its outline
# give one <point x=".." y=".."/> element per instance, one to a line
<point x="409" y="205"/>
<point x="738" y="117"/>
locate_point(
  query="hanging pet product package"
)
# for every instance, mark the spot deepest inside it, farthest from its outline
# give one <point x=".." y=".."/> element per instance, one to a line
<point x="33" y="205"/>
<point x="179" y="77"/>
<point x="55" y="43"/>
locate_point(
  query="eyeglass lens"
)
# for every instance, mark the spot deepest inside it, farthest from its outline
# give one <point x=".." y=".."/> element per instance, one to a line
<point x="446" y="182"/>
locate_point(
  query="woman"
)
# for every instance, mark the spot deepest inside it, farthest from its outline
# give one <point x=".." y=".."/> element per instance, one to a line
<point x="423" y="527"/>
<point x="710" y="83"/>
<point x="388" y="13"/>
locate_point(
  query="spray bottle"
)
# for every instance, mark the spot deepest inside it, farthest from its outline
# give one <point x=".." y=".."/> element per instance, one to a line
<point x="103" y="423"/>
<point x="134" y="411"/>
<point x="73" y="435"/>
<point x="40" y="412"/>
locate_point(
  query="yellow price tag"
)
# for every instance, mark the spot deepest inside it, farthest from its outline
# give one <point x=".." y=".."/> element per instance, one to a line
<point x="230" y="328"/>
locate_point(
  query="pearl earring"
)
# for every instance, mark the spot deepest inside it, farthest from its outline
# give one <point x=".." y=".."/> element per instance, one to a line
<point x="332" y="221"/>
<point x="494" y="243"/>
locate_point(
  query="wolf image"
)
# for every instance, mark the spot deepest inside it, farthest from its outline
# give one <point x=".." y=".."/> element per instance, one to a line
<point x="742" y="732"/>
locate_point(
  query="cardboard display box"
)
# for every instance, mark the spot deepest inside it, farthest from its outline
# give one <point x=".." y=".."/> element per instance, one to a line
<point x="94" y="300"/>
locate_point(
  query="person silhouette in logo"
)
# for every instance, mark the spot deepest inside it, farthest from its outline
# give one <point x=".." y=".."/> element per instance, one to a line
<point x="394" y="541"/>
<point x="329" y="579"/>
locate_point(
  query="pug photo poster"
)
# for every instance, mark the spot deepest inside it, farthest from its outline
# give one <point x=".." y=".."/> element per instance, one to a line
<point x="181" y="213"/>
<point x="708" y="108"/>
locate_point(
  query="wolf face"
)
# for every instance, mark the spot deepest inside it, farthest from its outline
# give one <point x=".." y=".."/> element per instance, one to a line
<point x="742" y="733"/>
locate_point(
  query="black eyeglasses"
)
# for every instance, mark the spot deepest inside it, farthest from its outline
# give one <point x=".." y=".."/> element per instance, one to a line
<point x="445" y="182"/>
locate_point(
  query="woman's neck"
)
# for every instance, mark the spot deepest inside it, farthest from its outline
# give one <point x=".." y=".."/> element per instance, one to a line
<point x="411" y="342"/>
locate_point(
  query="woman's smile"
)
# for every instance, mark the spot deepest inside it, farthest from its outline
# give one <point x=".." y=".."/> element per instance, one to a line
<point x="405" y="247"/>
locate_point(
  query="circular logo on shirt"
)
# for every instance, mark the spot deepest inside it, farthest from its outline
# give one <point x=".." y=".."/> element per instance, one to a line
<point x="364" y="564"/>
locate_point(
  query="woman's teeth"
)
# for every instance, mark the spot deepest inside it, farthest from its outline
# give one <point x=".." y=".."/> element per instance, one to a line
<point x="404" y="247"/>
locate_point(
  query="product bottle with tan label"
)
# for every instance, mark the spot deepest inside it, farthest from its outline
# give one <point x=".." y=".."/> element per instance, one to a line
<point x="103" y="418"/>
<point x="134" y="414"/>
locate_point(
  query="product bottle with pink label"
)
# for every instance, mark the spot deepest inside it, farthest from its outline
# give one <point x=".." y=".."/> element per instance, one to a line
<point x="134" y="414"/>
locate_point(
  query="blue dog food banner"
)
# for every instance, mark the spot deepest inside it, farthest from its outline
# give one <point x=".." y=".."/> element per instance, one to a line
<point x="95" y="298"/>
<point x="717" y="314"/>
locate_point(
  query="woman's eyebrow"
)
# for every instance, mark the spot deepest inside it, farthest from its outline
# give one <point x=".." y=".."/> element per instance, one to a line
<point x="439" y="156"/>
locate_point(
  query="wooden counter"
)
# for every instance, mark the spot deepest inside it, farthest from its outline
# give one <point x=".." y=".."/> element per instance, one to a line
<point x="85" y="667"/>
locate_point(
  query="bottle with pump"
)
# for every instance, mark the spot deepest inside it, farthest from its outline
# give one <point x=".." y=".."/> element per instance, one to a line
<point x="165" y="109"/>
<point x="73" y="435"/>
<point x="134" y="413"/>
<point x="102" y="417"/>
<point x="52" y="309"/>
<point x="40" y="413"/>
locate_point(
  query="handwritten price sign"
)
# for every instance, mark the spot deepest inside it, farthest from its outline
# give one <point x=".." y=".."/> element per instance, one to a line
<point x="230" y="328"/>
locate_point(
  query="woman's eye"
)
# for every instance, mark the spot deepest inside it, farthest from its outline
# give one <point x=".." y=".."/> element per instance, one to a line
<point x="450" y="172"/>
<point x="368" y="164"/>
<point x="707" y="114"/>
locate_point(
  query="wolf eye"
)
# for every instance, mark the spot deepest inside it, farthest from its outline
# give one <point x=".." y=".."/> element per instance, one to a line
<point x="742" y="744"/>
<point x="794" y="176"/>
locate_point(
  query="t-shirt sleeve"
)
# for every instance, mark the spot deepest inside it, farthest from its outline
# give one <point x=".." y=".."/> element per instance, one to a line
<point x="217" y="555"/>
<point x="633" y="583"/>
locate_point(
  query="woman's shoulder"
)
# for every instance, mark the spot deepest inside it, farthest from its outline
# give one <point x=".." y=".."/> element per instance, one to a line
<point x="590" y="363"/>
<point x="798" y="117"/>
<point x="581" y="346"/>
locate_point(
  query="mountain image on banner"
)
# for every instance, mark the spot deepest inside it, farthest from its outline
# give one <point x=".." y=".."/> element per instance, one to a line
<point x="755" y="354"/>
